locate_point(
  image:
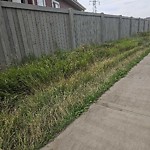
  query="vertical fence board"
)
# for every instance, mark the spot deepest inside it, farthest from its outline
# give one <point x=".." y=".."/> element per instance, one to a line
<point x="2" y="54"/>
<point x="14" y="35"/>
<point x="28" y="32"/>
<point x="102" y="28"/>
<point x="55" y="31"/>
<point x="98" y="30"/>
<point x="30" y="26"/>
<point x="49" y="31"/>
<point x="4" y="59"/>
<point x="52" y="31"/>
<point x="59" y="31"/>
<point x="22" y="32"/>
<point x="42" y="32"/>
<point x="10" y="49"/>
<point x="39" y="38"/>
<point x="120" y="27"/>
<point x="64" y="44"/>
<point x="66" y="36"/>
<point x="36" y="47"/>
<point x="18" y="33"/>
<point x="46" y="34"/>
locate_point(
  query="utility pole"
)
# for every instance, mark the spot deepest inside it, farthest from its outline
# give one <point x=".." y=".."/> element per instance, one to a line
<point x="95" y="3"/>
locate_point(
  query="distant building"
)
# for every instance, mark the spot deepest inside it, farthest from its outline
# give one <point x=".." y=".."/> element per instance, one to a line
<point x="74" y="4"/>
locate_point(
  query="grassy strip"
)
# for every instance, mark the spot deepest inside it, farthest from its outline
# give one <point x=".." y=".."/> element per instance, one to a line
<point x="71" y="84"/>
<point x="47" y="120"/>
<point x="79" y="109"/>
<point x="28" y="77"/>
<point x="63" y="85"/>
<point x="39" y="117"/>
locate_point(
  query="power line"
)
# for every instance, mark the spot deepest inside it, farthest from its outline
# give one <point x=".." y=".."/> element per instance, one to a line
<point x="95" y="3"/>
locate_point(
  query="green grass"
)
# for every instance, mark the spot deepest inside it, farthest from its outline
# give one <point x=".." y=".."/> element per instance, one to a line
<point x="41" y="97"/>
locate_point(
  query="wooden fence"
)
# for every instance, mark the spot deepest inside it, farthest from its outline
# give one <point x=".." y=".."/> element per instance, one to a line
<point x="27" y="29"/>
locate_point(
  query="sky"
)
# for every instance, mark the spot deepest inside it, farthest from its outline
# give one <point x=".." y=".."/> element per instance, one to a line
<point x="134" y="8"/>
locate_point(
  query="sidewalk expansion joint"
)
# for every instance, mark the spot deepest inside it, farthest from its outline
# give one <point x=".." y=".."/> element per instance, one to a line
<point x="119" y="108"/>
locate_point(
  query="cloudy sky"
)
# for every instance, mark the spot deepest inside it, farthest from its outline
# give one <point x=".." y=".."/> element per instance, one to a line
<point x="135" y="8"/>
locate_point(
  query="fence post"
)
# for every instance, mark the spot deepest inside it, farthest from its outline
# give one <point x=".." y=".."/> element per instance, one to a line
<point x="131" y="18"/>
<point x="71" y="24"/>
<point x="102" y="27"/>
<point x="144" y="26"/>
<point x="139" y="22"/>
<point x="4" y="60"/>
<point x="120" y="26"/>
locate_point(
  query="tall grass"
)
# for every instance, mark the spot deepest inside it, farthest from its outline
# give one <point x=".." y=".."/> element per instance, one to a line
<point x="39" y="98"/>
<point x="25" y="79"/>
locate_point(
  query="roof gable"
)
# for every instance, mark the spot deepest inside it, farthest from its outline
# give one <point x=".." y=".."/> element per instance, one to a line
<point x="75" y="4"/>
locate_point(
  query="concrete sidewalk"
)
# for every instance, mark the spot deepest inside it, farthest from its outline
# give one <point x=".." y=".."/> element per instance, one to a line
<point x="120" y="120"/>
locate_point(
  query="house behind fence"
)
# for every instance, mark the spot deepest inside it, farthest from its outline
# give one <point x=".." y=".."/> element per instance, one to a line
<point x="74" y="4"/>
<point x="27" y="29"/>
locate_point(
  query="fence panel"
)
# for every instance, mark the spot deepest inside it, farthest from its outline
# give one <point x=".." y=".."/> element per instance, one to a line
<point x="27" y="29"/>
<point x="125" y="28"/>
<point x="141" y="25"/>
<point x="111" y="28"/>
<point x="146" y="25"/>
<point x="35" y="31"/>
<point x="87" y="29"/>
<point x="135" y="26"/>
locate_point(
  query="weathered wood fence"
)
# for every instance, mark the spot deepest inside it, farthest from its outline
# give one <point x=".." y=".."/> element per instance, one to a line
<point x="27" y="29"/>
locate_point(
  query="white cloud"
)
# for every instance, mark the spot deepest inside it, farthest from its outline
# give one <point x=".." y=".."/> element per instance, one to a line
<point x="135" y="8"/>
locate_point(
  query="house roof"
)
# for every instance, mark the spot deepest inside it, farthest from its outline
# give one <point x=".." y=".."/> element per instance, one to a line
<point x="75" y="4"/>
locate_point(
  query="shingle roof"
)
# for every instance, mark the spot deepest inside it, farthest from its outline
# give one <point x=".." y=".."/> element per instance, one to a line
<point x="75" y="4"/>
